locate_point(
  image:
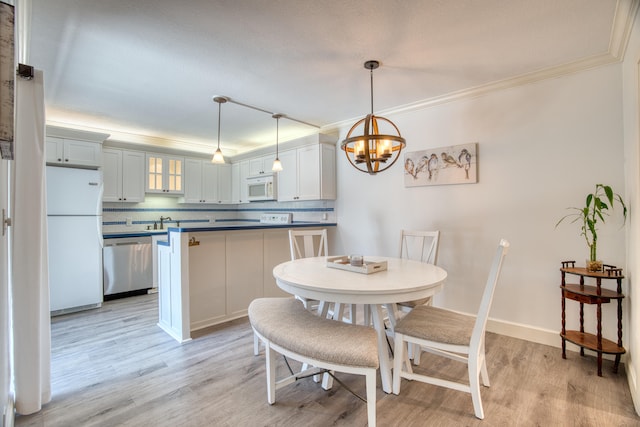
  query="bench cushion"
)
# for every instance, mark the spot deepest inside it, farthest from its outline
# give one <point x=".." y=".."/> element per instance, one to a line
<point x="286" y="323"/>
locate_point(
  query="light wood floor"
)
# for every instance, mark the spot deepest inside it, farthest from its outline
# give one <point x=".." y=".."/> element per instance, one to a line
<point x="113" y="366"/>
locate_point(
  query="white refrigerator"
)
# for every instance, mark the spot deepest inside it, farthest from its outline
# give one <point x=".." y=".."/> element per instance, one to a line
<point x="74" y="220"/>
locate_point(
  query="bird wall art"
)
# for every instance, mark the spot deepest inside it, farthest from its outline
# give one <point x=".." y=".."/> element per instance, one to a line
<point x="456" y="164"/>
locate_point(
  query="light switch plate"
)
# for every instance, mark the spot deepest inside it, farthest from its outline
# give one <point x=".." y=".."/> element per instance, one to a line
<point x="128" y="222"/>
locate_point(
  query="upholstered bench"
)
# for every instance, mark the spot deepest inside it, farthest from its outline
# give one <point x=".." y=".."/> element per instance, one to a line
<point x="286" y="327"/>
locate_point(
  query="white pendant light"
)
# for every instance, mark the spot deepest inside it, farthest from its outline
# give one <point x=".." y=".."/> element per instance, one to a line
<point x="277" y="165"/>
<point x="217" y="156"/>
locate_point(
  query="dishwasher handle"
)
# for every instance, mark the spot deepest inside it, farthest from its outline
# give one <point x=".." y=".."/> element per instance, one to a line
<point x="127" y="244"/>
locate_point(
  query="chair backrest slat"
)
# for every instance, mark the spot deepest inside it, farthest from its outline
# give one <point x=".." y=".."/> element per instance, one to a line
<point x="308" y="243"/>
<point x="420" y="245"/>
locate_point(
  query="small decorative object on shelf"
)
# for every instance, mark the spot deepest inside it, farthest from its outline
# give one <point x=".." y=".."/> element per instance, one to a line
<point x="595" y="208"/>
<point x="589" y="294"/>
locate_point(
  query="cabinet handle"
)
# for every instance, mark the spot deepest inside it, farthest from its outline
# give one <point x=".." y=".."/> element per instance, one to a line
<point x="66" y="160"/>
<point x="59" y="159"/>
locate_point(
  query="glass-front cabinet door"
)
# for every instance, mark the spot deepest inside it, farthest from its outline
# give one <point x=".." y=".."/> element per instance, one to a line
<point x="165" y="174"/>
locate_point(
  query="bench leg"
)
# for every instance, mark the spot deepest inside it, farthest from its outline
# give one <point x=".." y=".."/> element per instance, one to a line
<point x="327" y="381"/>
<point x="271" y="373"/>
<point x="371" y="397"/>
<point x="256" y="345"/>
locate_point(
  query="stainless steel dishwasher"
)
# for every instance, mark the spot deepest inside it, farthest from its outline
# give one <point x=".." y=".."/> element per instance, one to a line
<point x="127" y="265"/>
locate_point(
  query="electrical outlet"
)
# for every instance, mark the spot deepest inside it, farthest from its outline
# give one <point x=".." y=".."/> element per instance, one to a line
<point x="211" y="219"/>
<point x="128" y="222"/>
<point x="325" y="216"/>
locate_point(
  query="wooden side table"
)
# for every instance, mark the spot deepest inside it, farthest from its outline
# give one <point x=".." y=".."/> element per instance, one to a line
<point x="588" y="294"/>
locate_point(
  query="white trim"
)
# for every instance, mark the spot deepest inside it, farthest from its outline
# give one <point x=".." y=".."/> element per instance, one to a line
<point x="477" y="91"/>
<point x="622" y="25"/>
<point x="633" y="383"/>
<point x="536" y="335"/>
<point x="172" y="333"/>
<point x="620" y="34"/>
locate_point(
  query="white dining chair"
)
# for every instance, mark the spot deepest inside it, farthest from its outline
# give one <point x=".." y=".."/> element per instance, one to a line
<point x="305" y="244"/>
<point x="449" y="334"/>
<point x="313" y="243"/>
<point x="418" y="246"/>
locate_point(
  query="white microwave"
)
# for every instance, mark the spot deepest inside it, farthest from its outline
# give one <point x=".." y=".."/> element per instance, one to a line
<point x="260" y="188"/>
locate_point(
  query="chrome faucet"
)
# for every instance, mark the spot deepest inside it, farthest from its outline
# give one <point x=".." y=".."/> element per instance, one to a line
<point x="162" y="219"/>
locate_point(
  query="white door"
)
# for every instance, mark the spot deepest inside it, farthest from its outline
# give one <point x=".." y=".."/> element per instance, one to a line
<point x="5" y="371"/>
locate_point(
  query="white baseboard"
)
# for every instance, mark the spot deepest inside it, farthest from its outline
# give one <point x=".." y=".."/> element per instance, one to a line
<point x="633" y="384"/>
<point x="533" y="334"/>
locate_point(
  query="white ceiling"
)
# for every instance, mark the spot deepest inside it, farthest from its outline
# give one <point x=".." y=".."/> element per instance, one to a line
<point x="146" y="71"/>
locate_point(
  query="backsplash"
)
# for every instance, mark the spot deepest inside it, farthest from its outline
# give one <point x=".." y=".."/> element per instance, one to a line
<point x="139" y="216"/>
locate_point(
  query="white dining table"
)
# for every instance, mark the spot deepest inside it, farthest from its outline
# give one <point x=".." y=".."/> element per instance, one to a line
<point x="403" y="280"/>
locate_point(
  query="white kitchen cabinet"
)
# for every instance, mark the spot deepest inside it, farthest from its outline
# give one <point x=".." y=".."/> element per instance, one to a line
<point x="123" y="175"/>
<point x="215" y="280"/>
<point x="200" y="184"/>
<point x="308" y="173"/>
<point x="239" y="174"/>
<point x="224" y="184"/>
<point x="72" y="152"/>
<point x="274" y="242"/>
<point x="164" y="174"/>
<point x="207" y="304"/>
<point x="244" y="270"/>
<point x="261" y="165"/>
<point x="205" y="182"/>
<point x="288" y="176"/>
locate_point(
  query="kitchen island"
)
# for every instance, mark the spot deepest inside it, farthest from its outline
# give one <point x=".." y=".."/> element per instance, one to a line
<point x="210" y="275"/>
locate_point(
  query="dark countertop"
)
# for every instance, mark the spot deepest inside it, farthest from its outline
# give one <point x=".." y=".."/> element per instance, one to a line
<point x="238" y="225"/>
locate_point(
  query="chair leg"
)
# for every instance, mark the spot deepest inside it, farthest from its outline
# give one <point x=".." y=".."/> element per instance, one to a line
<point x="354" y="311"/>
<point x="484" y="373"/>
<point x="323" y="309"/>
<point x="417" y="351"/>
<point x="400" y="354"/>
<point x="474" y="385"/>
<point x="271" y="373"/>
<point x="483" y="367"/>
<point x="371" y="397"/>
<point x="367" y="315"/>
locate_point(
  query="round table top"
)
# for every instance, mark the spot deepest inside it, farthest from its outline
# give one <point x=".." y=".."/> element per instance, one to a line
<point x="404" y="280"/>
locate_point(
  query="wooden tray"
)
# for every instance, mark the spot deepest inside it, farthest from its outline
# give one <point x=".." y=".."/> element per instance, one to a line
<point x="367" y="267"/>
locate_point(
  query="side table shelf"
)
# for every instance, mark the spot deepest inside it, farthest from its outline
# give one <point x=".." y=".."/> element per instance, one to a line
<point x="592" y="295"/>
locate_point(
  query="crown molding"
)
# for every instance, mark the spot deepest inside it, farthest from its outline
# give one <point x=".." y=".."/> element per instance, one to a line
<point x="622" y="26"/>
<point x="620" y="33"/>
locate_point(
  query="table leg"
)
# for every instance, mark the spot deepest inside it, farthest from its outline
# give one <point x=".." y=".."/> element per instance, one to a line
<point x="383" y="352"/>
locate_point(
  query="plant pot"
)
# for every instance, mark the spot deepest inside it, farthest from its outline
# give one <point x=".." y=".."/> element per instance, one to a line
<point x="593" y="266"/>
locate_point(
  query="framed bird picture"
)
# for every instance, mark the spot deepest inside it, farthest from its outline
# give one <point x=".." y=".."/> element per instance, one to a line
<point x="456" y="164"/>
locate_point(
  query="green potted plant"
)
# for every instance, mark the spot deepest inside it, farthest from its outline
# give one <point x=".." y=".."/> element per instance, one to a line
<point x="595" y="209"/>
